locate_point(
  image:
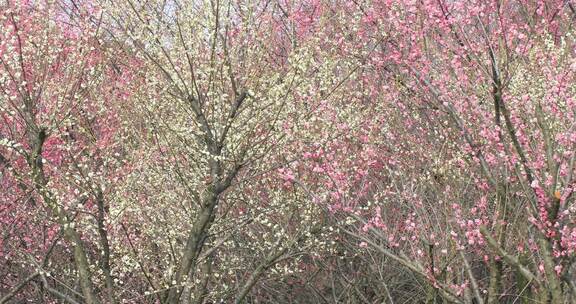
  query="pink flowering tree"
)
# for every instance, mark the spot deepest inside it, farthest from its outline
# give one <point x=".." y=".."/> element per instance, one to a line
<point x="465" y="160"/>
<point x="60" y="153"/>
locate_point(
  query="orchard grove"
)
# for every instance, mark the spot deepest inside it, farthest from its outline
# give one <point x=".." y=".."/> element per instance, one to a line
<point x="287" y="151"/>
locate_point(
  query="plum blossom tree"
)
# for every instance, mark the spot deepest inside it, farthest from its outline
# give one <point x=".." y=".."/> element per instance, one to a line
<point x="475" y="115"/>
<point x="60" y="151"/>
<point x="217" y="99"/>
